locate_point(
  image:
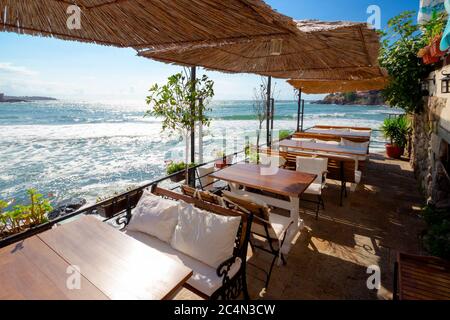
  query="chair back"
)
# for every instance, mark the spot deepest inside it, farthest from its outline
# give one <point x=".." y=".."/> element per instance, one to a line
<point x="313" y="165"/>
<point x="202" y="195"/>
<point x="246" y="205"/>
<point x="329" y="137"/>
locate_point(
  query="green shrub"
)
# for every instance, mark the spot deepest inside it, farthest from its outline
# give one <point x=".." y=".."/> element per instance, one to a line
<point x="397" y="130"/>
<point x="437" y="237"/>
<point x="283" y="134"/>
<point x="174" y="167"/>
<point x="402" y="41"/>
<point x="21" y="217"/>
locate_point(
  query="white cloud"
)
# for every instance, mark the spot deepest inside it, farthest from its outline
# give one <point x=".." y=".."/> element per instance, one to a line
<point x="8" y="67"/>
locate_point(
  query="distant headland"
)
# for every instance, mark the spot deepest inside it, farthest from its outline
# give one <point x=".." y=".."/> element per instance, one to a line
<point x="4" y="98"/>
<point x="369" y="98"/>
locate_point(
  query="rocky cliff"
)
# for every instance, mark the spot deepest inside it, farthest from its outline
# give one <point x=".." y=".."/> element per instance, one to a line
<point x="354" y="98"/>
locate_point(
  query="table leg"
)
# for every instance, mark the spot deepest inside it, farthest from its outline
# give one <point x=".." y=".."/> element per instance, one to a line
<point x="295" y="208"/>
<point x="233" y="186"/>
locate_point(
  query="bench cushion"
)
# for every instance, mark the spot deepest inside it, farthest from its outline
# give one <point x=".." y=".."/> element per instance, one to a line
<point x="204" y="277"/>
<point x="204" y="235"/>
<point x="360" y="145"/>
<point x="155" y="216"/>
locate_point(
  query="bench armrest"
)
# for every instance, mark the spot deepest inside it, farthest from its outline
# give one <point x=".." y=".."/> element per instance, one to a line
<point x="224" y="267"/>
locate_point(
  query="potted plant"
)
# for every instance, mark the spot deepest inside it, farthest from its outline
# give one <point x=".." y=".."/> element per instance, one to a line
<point x="179" y="168"/>
<point x="182" y="103"/>
<point x="396" y="130"/>
<point x="433" y="35"/>
<point x="222" y="160"/>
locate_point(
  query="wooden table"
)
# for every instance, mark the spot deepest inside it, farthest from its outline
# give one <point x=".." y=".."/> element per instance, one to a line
<point x="322" y="147"/>
<point x="342" y="133"/>
<point x="288" y="183"/>
<point x="421" y="278"/>
<point x="112" y="265"/>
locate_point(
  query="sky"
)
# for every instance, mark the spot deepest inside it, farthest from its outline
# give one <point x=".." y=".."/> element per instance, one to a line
<point x="86" y="72"/>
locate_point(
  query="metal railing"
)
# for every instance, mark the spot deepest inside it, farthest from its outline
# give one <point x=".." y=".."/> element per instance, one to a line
<point x="94" y="208"/>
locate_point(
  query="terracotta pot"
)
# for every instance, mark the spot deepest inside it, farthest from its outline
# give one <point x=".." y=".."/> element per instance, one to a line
<point x="429" y="59"/>
<point x="220" y="164"/>
<point x="178" y="177"/>
<point x="394" y="151"/>
<point x="435" y="50"/>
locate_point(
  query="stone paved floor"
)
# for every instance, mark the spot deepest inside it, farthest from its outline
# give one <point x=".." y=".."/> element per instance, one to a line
<point x="330" y="257"/>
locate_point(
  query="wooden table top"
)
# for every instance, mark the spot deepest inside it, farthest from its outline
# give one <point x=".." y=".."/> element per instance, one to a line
<point x="31" y="270"/>
<point x="284" y="182"/>
<point x="341" y="133"/>
<point x="325" y="147"/>
<point x="112" y="264"/>
<point x="423" y="278"/>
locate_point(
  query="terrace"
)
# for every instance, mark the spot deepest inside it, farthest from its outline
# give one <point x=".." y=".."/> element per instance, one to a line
<point x="329" y="246"/>
<point x="331" y="256"/>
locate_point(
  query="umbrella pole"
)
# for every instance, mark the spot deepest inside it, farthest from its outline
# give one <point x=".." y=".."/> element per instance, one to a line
<point x="191" y="173"/>
<point x="268" y="113"/>
<point x="299" y="109"/>
<point x="303" y="114"/>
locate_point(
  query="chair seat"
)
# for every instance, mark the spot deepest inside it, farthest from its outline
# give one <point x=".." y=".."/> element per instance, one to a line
<point x="204" y="277"/>
<point x="279" y="224"/>
<point x="314" y="189"/>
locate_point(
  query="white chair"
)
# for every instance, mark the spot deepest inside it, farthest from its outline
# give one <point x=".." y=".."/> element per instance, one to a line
<point x="274" y="229"/>
<point x="206" y="181"/>
<point x="317" y="166"/>
<point x="272" y="160"/>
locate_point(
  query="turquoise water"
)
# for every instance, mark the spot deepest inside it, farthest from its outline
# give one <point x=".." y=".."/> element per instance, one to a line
<point x="95" y="149"/>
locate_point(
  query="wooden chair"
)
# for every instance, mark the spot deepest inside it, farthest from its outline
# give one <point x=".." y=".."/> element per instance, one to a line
<point x="342" y="127"/>
<point x="271" y="227"/>
<point x="317" y="166"/>
<point x="328" y="137"/>
<point x="340" y="168"/>
<point x="202" y="195"/>
<point x="234" y="286"/>
<point x="421" y="278"/>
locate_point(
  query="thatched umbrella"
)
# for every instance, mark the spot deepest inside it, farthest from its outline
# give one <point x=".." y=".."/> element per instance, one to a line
<point x="330" y="86"/>
<point x="147" y="23"/>
<point x="317" y="50"/>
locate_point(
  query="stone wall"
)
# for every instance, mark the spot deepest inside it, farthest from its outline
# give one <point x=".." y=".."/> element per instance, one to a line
<point x="429" y="146"/>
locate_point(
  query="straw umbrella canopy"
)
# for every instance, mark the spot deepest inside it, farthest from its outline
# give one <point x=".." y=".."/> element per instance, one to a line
<point x="317" y="50"/>
<point x="146" y="24"/>
<point x="309" y="86"/>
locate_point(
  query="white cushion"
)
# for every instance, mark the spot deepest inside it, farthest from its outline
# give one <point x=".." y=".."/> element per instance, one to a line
<point x="313" y="166"/>
<point x="155" y="216"/>
<point x="359" y="145"/>
<point x="304" y="139"/>
<point x="203" y="235"/>
<point x="279" y="224"/>
<point x="204" y="277"/>
<point x="314" y="188"/>
<point x="328" y="142"/>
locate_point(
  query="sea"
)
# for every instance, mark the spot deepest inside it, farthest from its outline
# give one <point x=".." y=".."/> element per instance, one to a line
<point x="70" y="149"/>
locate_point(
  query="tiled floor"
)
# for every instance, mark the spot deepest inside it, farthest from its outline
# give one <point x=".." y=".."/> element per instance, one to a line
<point x="330" y="257"/>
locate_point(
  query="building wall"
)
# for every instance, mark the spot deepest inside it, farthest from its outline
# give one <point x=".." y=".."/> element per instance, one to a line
<point x="430" y="140"/>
